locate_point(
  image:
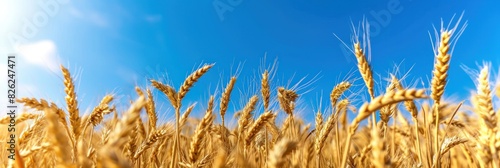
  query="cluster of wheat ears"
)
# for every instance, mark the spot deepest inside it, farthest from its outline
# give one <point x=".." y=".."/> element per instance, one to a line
<point x="440" y="134"/>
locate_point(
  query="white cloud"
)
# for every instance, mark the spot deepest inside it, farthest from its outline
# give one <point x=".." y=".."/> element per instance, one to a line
<point x="42" y="53"/>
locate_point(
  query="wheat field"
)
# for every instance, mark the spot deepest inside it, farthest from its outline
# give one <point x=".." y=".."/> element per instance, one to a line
<point x="415" y="127"/>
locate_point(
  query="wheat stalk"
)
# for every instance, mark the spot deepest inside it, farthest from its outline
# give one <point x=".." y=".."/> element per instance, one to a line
<point x="412" y="108"/>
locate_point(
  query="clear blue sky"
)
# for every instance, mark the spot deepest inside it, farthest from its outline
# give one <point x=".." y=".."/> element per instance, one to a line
<point x="112" y="46"/>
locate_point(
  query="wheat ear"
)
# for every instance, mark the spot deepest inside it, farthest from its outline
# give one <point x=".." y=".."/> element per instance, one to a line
<point x="389" y="98"/>
<point x="280" y="151"/>
<point x="133" y="138"/>
<point x="441" y="67"/>
<point x="387" y="111"/>
<point x="319" y="122"/>
<point x="342" y="109"/>
<point x="191" y="79"/>
<point x="60" y="144"/>
<point x="167" y="90"/>
<point x="379" y="151"/>
<point x="337" y="91"/>
<point x="42" y="105"/>
<point x="97" y="114"/>
<point x="256" y="126"/>
<point x="409" y="105"/>
<point x="185" y="115"/>
<point x="483" y="99"/>
<point x="72" y="106"/>
<point x="153" y="137"/>
<point x="266" y="89"/>
<point x="71" y="102"/>
<point x="366" y="73"/>
<point x="188" y="83"/>
<point x="126" y="124"/>
<point x="364" y="68"/>
<point x="246" y="114"/>
<point x="450" y="143"/>
<point x="224" y="103"/>
<point x="23" y="117"/>
<point x="326" y="128"/>
<point x="438" y="82"/>
<point x="151" y="111"/>
<point x="485" y="109"/>
<point x="221" y="159"/>
<point x="369" y="108"/>
<point x="287" y="99"/>
<point x="201" y="130"/>
<point x="27" y="152"/>
<point x="28" y="133"/>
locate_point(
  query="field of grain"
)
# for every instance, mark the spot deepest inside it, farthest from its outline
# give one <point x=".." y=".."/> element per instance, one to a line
<point x="415" y="127"/>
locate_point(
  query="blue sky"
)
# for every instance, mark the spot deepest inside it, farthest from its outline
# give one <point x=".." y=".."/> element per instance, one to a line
<point x="113" y="46"/>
